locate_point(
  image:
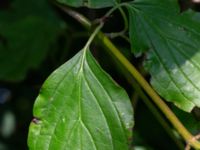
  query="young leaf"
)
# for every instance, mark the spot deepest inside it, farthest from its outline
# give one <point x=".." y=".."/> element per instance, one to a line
<point x="80" y="107"/>
<point x="173" y="59"/>
<point x="90" y="3"/>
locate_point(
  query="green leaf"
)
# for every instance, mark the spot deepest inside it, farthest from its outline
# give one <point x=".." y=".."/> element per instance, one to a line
<point x="138" y="11"/>
<point x="81" y="107"/>
<point x="173" y="59"/>
<point x="26" y="37"/>
<point x="90" y="3"/>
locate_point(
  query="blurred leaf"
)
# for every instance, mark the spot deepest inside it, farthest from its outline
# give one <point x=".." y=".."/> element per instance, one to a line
<point x="5" y="95"/>
<point x="8" y="124"/>
<point x="141" y="148"/>
<point x="90" y="3"/>
<point x="2" y="146"/>
<point x="80" y="107"/>
<point x="27" y="32"/>
<point x="174" y="57"/>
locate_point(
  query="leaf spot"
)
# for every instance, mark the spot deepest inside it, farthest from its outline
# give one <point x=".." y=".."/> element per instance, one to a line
<point x="36" y="120"/>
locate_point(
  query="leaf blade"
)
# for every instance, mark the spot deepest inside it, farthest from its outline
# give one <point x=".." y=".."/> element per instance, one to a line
<point x="93" y="120"/>
<point x="172" y="58"/>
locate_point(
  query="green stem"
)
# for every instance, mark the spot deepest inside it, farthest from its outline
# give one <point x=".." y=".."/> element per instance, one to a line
<point x="125" y="19"/>
<point x="156" y="113"/>
<point x="87" y="45"/>
<point x="98" y="28"/>
<point x="139" y="93"/>
<point x="118" y="6"/>
<point x="148" y="89"/>
<point x="189" y="138"/>
<point x="77" y="16"/>
<point x="121" y="33"/>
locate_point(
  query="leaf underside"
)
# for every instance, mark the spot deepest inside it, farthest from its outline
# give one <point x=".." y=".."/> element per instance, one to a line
<point x="173" y="43"/>
<point x="89" y="3"/>
<point x="80" y="107"/>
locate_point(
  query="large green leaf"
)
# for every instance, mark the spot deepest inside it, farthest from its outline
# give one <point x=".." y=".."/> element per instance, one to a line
<point x="173" y="59"/>
<point x="90" y="3"/>
<point x="26" y="35"/>
<point x="81" y="108"/>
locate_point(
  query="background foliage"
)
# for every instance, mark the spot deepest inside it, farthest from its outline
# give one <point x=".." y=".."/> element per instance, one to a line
<point x="35" y="38"/>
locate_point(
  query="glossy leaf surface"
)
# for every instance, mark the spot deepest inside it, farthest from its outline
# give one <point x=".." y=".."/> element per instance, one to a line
<point x="173" y="43"/>
<point x="26" y="35"/>
<point x="81" y="107"/>
<point x="89" y="3"/>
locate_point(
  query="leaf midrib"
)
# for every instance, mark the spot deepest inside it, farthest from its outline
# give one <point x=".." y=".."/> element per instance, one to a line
<point x="109" y="98"/>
